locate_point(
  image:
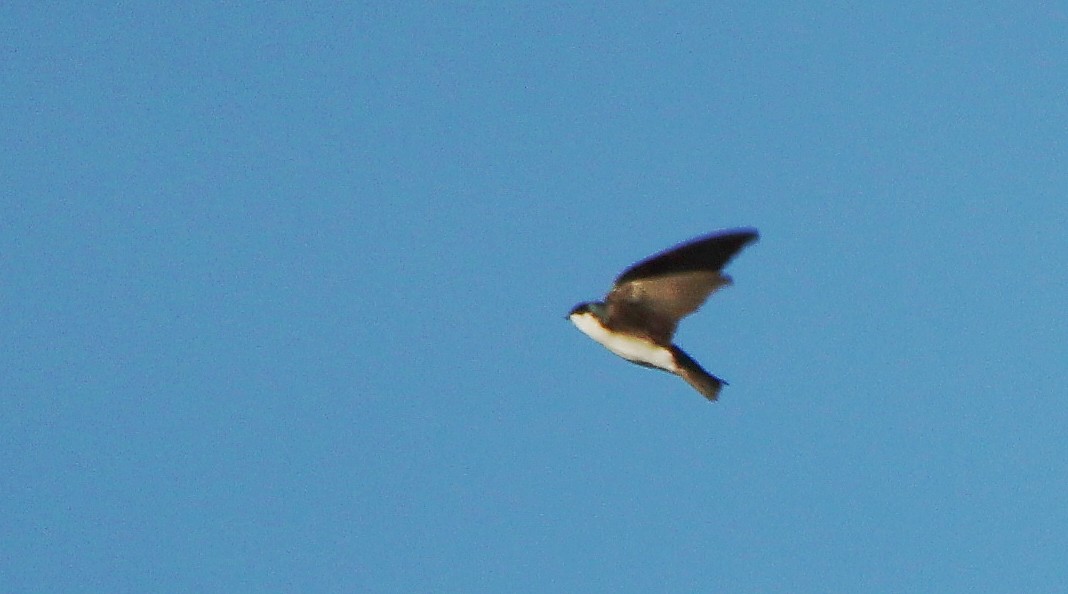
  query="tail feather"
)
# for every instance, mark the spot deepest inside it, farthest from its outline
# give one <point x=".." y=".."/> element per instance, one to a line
<point x="695" y="375"/>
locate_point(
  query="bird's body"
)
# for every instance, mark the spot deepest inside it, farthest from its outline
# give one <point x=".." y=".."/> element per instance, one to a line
<point x="635" y="349"/>
<point x="638" y="317"/>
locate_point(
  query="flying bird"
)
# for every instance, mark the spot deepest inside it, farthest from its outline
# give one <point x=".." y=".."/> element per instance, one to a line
<point x="638" y="317"/>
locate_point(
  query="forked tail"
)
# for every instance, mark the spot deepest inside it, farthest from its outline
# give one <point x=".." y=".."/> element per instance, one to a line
<point x="695" y="375"/>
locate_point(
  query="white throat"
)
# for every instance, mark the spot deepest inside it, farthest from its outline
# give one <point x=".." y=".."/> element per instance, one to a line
<point x="629" y="347"/>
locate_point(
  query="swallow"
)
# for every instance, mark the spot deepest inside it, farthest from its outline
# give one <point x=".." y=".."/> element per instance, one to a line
<point x="638" y="318"/>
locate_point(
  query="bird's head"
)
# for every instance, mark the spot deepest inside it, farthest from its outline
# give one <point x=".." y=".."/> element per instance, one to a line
<point x="591" y="308"/>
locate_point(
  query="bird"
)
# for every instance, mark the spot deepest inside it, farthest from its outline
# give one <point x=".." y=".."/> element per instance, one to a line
<point x="639" y="315"/>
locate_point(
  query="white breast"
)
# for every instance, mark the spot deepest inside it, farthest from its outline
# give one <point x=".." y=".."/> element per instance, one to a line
<point x="628" y="347"/>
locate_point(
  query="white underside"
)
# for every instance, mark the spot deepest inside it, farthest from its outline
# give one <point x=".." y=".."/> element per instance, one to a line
<point x="628" y="347"/>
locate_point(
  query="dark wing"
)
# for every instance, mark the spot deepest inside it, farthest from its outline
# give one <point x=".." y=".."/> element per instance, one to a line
<point x="661" y="290"/>
<point x="703" y="254"/>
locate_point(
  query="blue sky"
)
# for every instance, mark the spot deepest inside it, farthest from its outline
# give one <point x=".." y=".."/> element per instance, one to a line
<point x="284" y="291"/>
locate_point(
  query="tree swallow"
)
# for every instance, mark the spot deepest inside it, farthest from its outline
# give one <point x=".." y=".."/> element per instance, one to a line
<point x="638" y="317"/>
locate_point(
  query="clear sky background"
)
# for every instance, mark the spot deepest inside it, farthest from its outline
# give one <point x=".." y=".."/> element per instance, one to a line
<point x="283" y="295"/>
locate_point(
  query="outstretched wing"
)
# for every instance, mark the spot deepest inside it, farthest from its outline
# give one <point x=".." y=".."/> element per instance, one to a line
<point x="669" y="286"/>
<point x="709" y="253"/>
